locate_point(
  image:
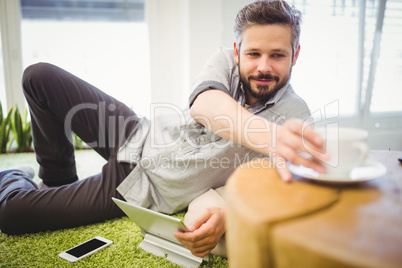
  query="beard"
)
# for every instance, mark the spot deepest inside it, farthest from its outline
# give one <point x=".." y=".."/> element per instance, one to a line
<point x="263" y="92"/>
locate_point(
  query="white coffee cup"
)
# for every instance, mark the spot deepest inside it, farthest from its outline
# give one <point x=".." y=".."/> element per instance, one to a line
<point x="347" y="148"/>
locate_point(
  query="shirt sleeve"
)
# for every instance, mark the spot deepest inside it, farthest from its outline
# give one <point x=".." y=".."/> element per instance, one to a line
<point x="216" y="74"/>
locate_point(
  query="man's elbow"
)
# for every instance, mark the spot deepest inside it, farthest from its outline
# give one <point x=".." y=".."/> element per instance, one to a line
<point x="196" y="109"/>
<point x="206" y="105"/>
<point x="196" y="114"/>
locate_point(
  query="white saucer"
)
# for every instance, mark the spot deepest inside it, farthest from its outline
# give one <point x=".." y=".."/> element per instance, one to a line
<point x="370" y="170"/>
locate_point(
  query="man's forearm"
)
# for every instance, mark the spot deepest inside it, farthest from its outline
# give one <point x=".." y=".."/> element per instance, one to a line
<point x="221" y="114"/>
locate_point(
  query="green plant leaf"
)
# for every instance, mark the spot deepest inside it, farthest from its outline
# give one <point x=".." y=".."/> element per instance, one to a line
<point x="21" y="129"/>
<point x="5" y="132"/>
<point x="1" y="113"/>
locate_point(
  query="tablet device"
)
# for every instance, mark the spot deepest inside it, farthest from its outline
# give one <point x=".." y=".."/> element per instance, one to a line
<point x="157" y="230"/>
<point x="152" y="222"/>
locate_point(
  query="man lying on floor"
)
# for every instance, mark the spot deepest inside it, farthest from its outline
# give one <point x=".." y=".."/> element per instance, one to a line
<point x="242" y="106"/>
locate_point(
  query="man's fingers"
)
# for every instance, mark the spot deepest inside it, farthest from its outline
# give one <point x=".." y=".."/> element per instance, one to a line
<point x="311" y="136"/>
<point x="199" y="234"/>
<point x="201" y="253"/>
<point x="203" y="218"/>
<point x="199" y="248"/>
<point x="285" y="175"/>
<point x="203" y="239"/>
<point x="304" y="139"/>
<point x="295" y="139"/>
<point x="202" y="244"/>
<point x="313" y="144"/>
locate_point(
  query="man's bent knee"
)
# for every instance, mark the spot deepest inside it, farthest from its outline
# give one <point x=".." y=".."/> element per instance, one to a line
<point x="36" y="72"/>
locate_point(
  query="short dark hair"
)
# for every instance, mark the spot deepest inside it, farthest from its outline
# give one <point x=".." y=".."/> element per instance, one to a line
<point x="269" y="12"/>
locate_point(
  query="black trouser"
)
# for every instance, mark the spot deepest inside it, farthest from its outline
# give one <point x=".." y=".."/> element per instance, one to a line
<point x="59" y="101"/>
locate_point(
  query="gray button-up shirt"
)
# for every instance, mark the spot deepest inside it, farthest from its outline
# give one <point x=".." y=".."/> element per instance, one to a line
<point x="177" y="159"/>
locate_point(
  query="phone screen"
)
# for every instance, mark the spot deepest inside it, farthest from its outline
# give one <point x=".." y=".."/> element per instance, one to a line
<point x="86" y="247"/>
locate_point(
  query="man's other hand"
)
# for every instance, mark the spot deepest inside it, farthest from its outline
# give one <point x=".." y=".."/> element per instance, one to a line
<point x="204" y="234"/>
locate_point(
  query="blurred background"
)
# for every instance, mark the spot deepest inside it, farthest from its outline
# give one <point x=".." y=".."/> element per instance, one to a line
<point x="148" y="51"/>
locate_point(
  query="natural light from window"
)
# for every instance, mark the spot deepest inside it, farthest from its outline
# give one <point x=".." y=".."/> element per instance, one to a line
<point x="329" y="65"/>
<point x="102" y="43"/>
<point x="326" y="70"/>
<point x="110" y="55"/>
<point x="106" y="44"/>
<point x="387" y="93"/>
<point x="2" y="82"/>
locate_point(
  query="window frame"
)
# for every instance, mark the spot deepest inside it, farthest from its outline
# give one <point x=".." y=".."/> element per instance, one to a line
<point x="364" y="117"/>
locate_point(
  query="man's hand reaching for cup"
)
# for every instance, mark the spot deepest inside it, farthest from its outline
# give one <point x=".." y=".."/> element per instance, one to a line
<point x="293" y="138"/>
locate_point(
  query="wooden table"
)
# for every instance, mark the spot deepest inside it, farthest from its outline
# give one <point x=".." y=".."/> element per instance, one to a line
<point x="310" y="224"/>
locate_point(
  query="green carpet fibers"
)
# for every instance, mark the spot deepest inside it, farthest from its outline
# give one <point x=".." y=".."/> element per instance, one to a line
<point x="42" y="249"/>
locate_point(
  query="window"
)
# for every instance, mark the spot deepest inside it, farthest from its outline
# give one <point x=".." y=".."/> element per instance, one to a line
<point x="387" y="91"/>
<point x="103" y="42"/>
<point x="2" y="83"/>
<point x="352" y="60"/>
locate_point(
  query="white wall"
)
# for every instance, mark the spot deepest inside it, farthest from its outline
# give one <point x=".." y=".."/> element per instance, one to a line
<point x="10" y="20"/>
<point x="183" y="34"/>
<point x="166" y="21"/>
